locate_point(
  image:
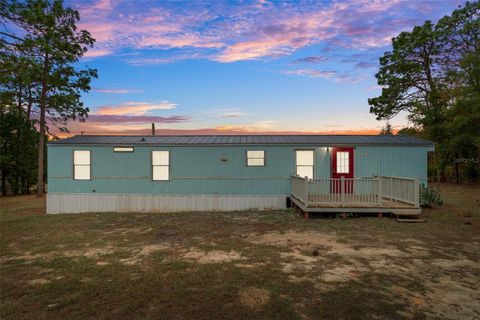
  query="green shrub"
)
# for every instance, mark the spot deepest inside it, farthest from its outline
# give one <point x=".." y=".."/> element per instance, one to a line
<point x="429" y="197"/>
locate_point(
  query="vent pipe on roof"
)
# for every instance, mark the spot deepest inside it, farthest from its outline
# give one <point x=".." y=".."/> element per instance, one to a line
<point x="153" y="129"/>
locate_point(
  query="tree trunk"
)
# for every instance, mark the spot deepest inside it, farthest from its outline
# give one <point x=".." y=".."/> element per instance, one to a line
<point x="4" y="183"/>
<point x="29" y="106"/>
<point x="457" y="173"/>
<point x="41" y="152"/>
<point x="41" y="142"/>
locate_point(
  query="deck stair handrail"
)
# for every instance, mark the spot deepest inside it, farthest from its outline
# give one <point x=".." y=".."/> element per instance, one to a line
<point x="365" y="191"/>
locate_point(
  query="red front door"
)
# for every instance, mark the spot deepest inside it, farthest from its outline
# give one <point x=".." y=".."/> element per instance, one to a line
<point x="342" y="167"/>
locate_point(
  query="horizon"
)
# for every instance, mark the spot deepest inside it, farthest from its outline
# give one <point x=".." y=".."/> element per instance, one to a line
<point x="250" y="68"/>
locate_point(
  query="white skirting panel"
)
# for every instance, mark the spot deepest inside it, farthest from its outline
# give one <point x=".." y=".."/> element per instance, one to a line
<point x="91" y="202"/>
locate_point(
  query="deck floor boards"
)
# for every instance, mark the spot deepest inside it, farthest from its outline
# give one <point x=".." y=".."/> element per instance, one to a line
<point x="396" y="207"/>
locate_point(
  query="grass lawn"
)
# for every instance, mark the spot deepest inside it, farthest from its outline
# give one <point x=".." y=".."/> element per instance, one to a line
<point x="240" y="265"/>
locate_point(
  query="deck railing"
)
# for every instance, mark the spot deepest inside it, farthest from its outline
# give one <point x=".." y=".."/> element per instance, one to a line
<point x="344" y="192"/>
<point x="401" y="189"/>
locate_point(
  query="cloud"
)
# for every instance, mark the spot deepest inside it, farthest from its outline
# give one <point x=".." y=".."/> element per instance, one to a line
<point x="327" y="74"/>
<point x="97" y="53"/>
<point x="233" y="114"/>
<point x="121" y="129"/>
<point x="310" y="59"/>
<point x="115" y="91"/>
<point x="113" y="119"/>
<point x="133" y="108"/>
<point x="366" y="65"/>
<point x="256" y="126"/>
<point x="121" y="124"/>
<point x="148" y="61"/>
<point x="314" y="73"/>
<point x="236" y="31"/>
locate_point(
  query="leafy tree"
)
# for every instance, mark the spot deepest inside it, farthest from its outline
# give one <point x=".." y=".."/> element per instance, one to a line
<point x="18" y="150"/>
<point x="50" y="42"/>
<point x="387" y="130"/>
<point x="410" y="131"/>
<point x="433" y="73"/>
<point x="459" y="35"/>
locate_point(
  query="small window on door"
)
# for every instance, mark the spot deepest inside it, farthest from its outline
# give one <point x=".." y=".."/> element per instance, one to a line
<point x="255" y="158"/>
<point x="304" y="163"/>
<point x="81" y="164"/>
<point x="343" y="162"/>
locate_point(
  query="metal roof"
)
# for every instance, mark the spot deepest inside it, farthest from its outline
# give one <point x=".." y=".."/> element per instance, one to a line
<point x="244" y="140"/>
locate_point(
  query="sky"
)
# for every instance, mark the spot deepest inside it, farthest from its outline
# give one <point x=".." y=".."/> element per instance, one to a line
<point x="244" y="67"/>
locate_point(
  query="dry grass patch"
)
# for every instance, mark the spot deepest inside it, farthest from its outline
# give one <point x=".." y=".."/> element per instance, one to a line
<point x="254" y="297"/>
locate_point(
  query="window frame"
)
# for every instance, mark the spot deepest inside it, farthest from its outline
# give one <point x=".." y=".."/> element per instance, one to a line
<point x="264" y="158"/>
<point x="342" y="164"/>
<point x="124" y="147"/>
<point x="83" y="165"/>
<point x="160" y="165"/>
<point x="313" y="163"/>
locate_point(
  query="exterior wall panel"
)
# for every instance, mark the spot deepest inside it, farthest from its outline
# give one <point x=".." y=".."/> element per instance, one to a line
<point x="392" y="161"/>
<point x="81" y="202"/>
<point x="193" y="170"/>
<point x="213" y="177"/>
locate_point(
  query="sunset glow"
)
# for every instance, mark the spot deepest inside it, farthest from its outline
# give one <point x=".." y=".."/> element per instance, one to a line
<point x="256" y="67"/>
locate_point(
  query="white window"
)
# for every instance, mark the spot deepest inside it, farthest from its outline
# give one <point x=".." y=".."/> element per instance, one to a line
<point x="122" y="149"/>
<point x="304" y="163"/>
<point x="255" y="158"/>
<point x="343" y="162"/>
<point x="81" y="164"/>
<point x="161" y="165"/>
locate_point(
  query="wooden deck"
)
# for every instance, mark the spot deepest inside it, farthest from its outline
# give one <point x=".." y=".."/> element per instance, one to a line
<point x="395" y="195"/>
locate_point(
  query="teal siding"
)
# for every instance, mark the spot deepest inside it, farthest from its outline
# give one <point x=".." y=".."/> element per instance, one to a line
<point x="392" y="161"/>
<point x="201" y="171"/>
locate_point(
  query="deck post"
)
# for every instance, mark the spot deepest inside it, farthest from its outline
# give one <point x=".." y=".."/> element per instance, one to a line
<point x="379" y="179"/>
<point x="391" y="188"/>
<point x="305" y="194"/>
<point x="417" y="192"/>
<point x="342" y="190"/>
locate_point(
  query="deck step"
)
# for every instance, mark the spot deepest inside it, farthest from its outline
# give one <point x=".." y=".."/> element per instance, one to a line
<point x="410" y="220"/>
<point x="405" y="213"/>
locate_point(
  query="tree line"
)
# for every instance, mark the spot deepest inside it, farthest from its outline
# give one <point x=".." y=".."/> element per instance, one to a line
<point x="40" y="85"/>
<point x="433" y="74"/>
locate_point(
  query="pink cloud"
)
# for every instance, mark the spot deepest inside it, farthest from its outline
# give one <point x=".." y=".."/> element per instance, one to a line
<point x="97" y="53"/>
<point x="114" y="129"/>
<point x="235" y="32"/>
<point x="133" y="108"/>
<point x="112" y="119"/>
<point x="120" y="124"/>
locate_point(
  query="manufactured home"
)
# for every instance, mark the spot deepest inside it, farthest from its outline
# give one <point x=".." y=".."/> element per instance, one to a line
<point x="330" y="173"/>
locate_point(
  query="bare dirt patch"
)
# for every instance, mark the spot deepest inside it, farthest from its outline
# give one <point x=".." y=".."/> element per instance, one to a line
<point x="342" y="273"/>
<point x="215" y="256"/>
<point x="254" y="298"/>
<point x="338" y="261"/>
<point x="143" y="252"/>
<point x="325" y="243"/>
